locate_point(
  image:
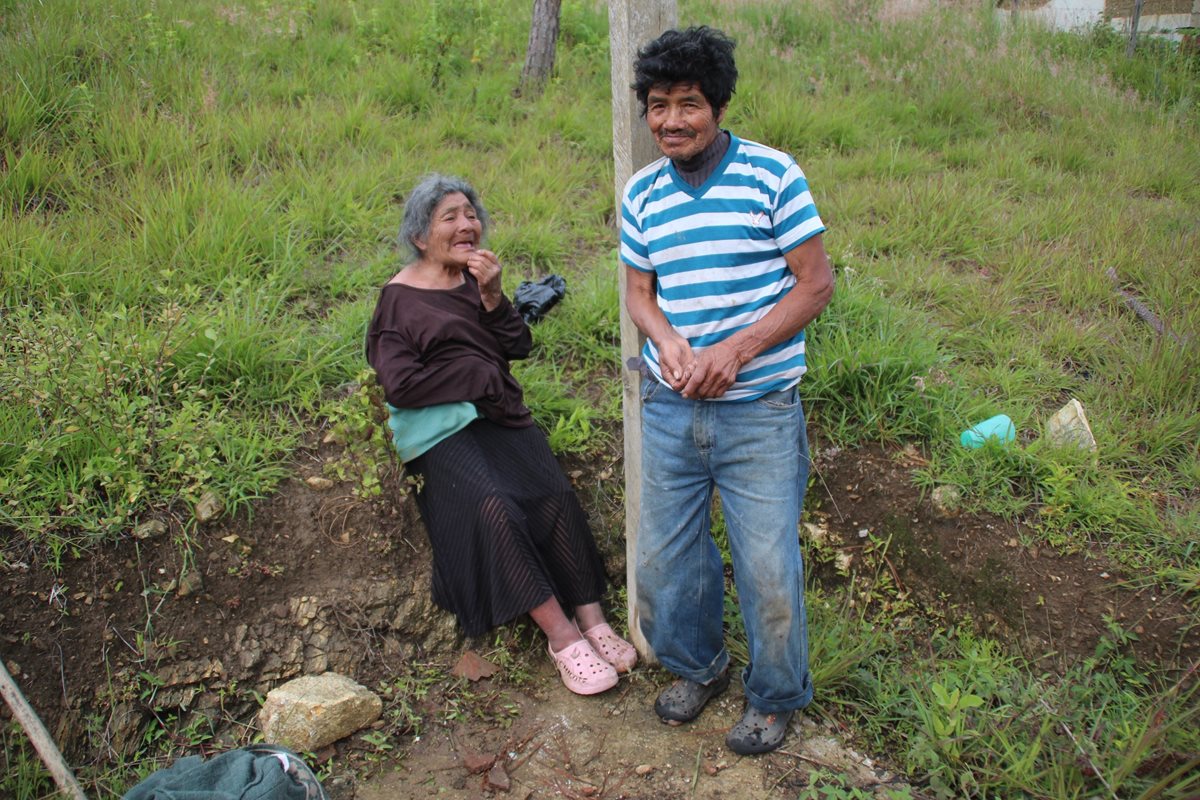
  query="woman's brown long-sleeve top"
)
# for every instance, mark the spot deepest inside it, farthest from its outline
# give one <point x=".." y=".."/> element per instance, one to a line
<point x="431" y="346"/>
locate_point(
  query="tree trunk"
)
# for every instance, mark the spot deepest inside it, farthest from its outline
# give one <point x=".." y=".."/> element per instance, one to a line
<point x="543" y="39"/>
<point x="1133" y="28"/>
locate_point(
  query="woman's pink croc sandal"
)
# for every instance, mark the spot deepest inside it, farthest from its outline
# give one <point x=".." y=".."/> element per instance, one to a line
<point x="612" y="648"/>
<point x="582" y="669"/>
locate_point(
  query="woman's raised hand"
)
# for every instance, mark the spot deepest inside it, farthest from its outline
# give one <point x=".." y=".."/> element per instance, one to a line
<point x="484" y="265"/>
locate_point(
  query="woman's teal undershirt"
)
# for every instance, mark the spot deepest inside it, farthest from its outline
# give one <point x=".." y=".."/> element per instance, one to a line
<point x="415" y="430"/>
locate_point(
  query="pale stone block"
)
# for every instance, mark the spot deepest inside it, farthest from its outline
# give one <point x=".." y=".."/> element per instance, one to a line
<point x="946" y="500"/>
<point x="310" y="712"/>
<point x="1069" y="425"/>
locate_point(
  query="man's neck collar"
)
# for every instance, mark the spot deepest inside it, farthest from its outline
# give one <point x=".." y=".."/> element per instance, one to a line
<point x="698" y="169"/>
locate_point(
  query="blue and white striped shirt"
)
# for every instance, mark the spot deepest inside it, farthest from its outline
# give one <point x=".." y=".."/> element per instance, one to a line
<point x="717" y="251"/>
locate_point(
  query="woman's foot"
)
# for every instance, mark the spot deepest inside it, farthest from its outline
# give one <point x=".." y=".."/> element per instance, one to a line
<point x="611" y="647"/>
<point x="582" y="669"/>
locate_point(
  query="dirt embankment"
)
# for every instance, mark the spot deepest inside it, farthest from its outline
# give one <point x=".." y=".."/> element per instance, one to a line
<point x="131" y="641"/>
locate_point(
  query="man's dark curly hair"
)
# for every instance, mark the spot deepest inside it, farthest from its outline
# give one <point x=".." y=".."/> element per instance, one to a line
<point x="699" y="55"/>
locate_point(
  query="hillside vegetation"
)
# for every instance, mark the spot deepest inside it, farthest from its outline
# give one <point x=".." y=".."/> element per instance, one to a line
<point x="197" y="201"/>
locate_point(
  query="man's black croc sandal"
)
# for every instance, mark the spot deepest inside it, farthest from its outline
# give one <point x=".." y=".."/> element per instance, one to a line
<point x="758" y="731"/>
<point x="684" y="699"/>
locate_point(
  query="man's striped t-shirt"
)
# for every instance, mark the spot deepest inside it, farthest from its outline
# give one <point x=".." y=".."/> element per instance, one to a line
<point x="717" y="252"/>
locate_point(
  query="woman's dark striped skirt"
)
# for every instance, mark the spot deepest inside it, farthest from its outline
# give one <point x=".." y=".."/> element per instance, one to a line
<point x="507" y="530"/>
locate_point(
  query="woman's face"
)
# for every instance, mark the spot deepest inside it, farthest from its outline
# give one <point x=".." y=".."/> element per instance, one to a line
<point x="454" y="232"/>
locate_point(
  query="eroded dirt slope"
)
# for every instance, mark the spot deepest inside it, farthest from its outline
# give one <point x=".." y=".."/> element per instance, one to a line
<point x="145" y="636"/>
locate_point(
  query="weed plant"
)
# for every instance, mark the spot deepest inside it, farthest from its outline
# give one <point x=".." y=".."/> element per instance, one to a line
<point x="976" y="722"/>
<point x="25" y="777"/>
<point x="964" y="717"/>
<point x="197" y="201"/>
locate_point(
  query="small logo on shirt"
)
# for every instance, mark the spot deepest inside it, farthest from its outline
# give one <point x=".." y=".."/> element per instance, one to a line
<point x="756" y="218"/>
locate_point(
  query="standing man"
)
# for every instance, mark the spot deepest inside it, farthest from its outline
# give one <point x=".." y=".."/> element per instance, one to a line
<point x="722" y="249"/>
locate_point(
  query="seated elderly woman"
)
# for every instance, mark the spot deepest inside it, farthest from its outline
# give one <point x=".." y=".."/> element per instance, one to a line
<point x="508" y="534"/>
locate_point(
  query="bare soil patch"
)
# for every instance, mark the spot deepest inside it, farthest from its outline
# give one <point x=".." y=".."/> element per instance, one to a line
<point x="146" y="636"/>
<point x="1053" y="606"/>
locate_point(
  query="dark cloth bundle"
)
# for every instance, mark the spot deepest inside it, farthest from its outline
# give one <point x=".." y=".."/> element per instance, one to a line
<point x="533" y="300"/>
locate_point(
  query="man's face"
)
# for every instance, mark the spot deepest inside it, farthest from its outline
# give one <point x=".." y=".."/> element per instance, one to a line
<point x="681" y="120"/>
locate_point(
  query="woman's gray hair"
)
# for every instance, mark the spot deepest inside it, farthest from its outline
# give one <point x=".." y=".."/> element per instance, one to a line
<point x="418" y="209"/>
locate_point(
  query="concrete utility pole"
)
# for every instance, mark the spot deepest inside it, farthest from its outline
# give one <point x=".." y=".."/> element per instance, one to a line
<point x="631" y="24"/>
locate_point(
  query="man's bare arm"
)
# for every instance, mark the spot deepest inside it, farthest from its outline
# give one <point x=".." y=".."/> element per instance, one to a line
<point x="675" y="357"/>
<point x="717" y="367"/>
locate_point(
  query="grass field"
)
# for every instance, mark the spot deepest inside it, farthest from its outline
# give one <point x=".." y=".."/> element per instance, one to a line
<point x="198" y="199"/>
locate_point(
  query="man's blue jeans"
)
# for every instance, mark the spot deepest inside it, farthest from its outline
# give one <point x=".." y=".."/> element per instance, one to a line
<point x="755" y="454"/>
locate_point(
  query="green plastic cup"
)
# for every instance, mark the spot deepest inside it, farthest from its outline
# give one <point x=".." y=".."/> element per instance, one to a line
<point x="999" y="427"/>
